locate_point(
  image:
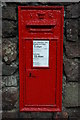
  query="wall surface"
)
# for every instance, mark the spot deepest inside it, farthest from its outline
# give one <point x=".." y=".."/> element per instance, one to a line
<point x="10" y="63"/>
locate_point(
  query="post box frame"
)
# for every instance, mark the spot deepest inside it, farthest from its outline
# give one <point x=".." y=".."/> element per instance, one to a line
<point x="22" y="67"/>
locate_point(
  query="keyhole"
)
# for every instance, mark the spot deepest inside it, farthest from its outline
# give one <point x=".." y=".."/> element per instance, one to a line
<point x="29" y="74"/>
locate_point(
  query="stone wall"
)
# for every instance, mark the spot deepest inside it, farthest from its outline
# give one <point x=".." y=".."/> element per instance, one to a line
<point x="10" y="63"/>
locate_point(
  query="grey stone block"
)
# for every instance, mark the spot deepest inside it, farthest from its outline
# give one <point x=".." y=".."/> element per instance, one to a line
<point x="11" y="39"/>
<point x="79" y="28"/>
<point x="71" y="95"/>
<point x="1" y="83"/>
<point x="61" y="116"/>
<point x="9" y="51"/>
<point x="73" y="113"/>
<point x="37" y="115"/>
<point x="71" y="69"/>
<point x="72" y="29"/>
<point x="8" y="70"/>
<point x="9" y="28"/>
<point x="9" y="98"/>
<point x="10" y="80"/>
<point x="0" y="100"/>
<point x="72" y="49"/>
<point x="72" y="11"/>
<point x="10" y="114"/>
<point x="9" y="13"/>
<point x="79" y="9"/>
<point x="0" y="68"/>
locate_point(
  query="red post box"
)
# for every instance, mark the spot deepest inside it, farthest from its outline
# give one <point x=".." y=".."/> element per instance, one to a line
<point x="40" y="57"/>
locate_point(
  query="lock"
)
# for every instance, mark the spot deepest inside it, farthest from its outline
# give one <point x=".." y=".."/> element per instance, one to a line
<point x="30" y="74"/>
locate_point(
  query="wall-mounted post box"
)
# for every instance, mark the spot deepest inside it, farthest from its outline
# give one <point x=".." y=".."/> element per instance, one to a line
<point x="40" y="57"/>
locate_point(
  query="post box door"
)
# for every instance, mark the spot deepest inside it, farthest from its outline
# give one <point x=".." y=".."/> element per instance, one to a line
<point x="40" y="58"/>
<point x="40" y="72"/>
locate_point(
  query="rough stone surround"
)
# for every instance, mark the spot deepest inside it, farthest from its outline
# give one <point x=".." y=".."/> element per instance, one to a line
<point x="10" y="63"/>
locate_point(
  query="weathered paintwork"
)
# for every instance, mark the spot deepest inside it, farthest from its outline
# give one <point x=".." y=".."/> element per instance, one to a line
<point x="40" y="87"/>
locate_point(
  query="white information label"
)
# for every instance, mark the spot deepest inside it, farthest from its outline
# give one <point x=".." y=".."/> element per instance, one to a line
<point x="40" y="53"/>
